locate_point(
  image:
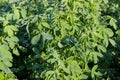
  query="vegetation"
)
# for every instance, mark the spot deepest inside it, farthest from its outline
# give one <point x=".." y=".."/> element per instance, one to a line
<point x="60" y="39"/>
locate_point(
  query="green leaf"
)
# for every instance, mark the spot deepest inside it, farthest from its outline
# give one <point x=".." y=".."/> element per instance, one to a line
<point x="23" y="49"/>
<point x="11" y="44"/>
<point x="41" y="44"/>
<point x="36" y="50"/>
<point x="98" y="35"/>
<point x="2" y="66"/>
<point x="56" y="55"/>
<point x="5" y="53"/>
<point x="95" y="58"/>
<point x="13" y="1"/>
<point x="118" y="32"/>
<point x="2" y="76"/>
<point x="83" y="76"/>
<point x="94" y="68"/>
<point x="105" y="41"/>
<point x="60" y="45"/>
<point x="99" y="54"/>
<point x="23" y="13"/>
<point x="49" y="9"/>
<point x="7" y="63"/>
<point x="113" y="23"/>
<point x="16" y="14"/>
<point x="5" y="68"/>
<point x="94" y="44"/>
<point x="16" y="52"/>
<point x="9" y="16"/>
<point x="65" y="25"/>
<point x="51" y="60"/>
<point x="49" y="72"/>
<point x="98" y="73"/>
<point x="34" y="19"/>
<point x="105" y="1"/>
<point x="47" y="36"/>
<point x="101" y="48"/>
<point x="96" y="55"/>
<point x="40" y="27"/>
<point x="1" y="18"/>
<point x="112" y="42"/>
<point x="10" y="30"/>
<point x="14" y="39"/>
<point x="35" y="39"/>
<point x="6" y="47"/>
<point x="63" y="31"/>
<point x="14" y="28"/>
<point x="77" y="3"/>
<point x="45" y="24"/>
<point x="93" y="71"/>
<point x="109" y="32"/>
<point x="5" y="22"/>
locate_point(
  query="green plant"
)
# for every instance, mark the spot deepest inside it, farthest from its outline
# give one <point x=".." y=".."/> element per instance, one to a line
<point x="4" y="76"/>
<point x="60" y="39"/>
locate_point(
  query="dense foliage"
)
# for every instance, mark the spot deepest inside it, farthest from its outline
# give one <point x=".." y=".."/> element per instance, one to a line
<point x="60" y="39"/>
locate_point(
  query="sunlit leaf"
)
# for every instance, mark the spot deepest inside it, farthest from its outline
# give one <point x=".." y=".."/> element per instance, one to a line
<point x="105" y="1"/>
<point x="113" y="23"/>
<point x="9" y="16"/>
<point x="83" y="76"/>
<point x="16" y="14"/>
<point x="1" y="18"/>
<point x="47" y="36"/>
<point x="60" y="45"/>
<point x="101" y="48"/>
<point x="109" y="32"/>
<point x="2" y="76"/>
<point x="112" y="42"/>
<point x="98" y="35"/>
<point x="24" y="13"/>
<point x="94" y="70"/>
<point x="35" y="39"/>
<point x="16" y="52"/>
<point x="45" y="24"/>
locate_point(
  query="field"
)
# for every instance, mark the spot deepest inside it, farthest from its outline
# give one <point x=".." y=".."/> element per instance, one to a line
<point x="59" y="39"/>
